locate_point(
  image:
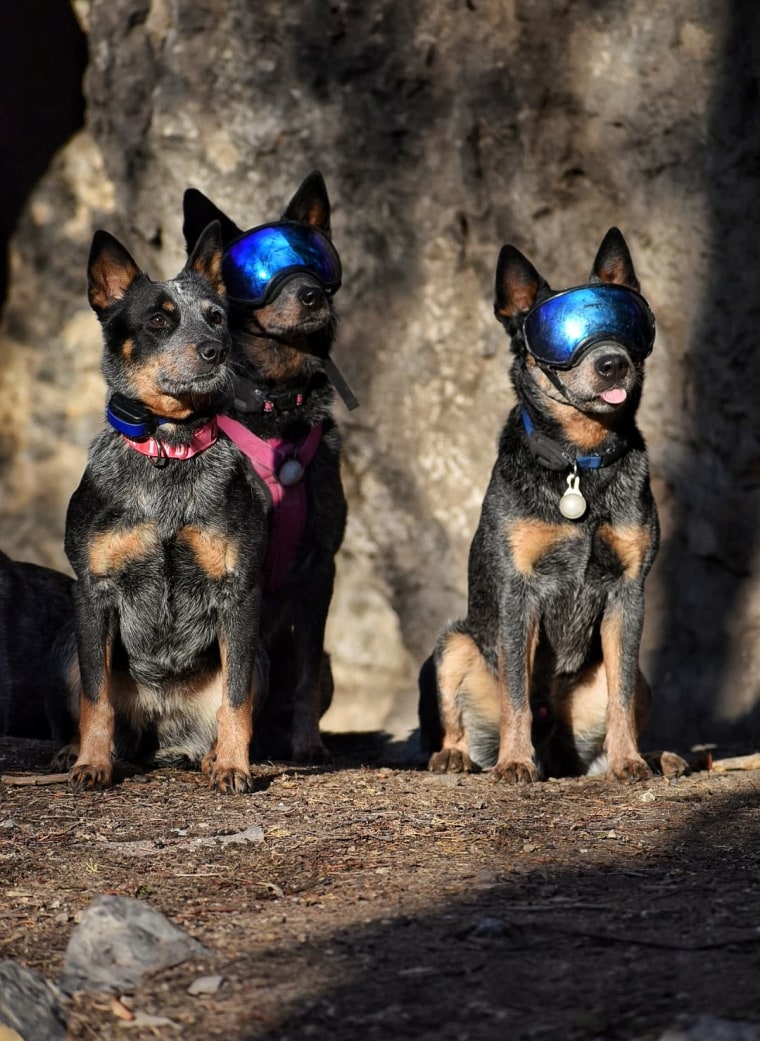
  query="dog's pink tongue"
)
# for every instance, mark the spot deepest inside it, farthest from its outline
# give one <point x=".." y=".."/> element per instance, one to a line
<point x="615" y="396"/>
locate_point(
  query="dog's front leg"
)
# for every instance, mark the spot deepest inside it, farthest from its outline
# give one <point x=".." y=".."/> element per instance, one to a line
<point x="621" y="637"/>
<point x="228" y="765"/>
<point x="95" y="629"/>
<point x="309" y="636"/>
<point x="517" y="651"/>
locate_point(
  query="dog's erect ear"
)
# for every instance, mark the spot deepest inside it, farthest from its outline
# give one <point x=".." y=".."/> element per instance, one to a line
<point x="206" y="258"/>
<point x="311" y="204"/>
<point x="110" y="271"/>
<point x="613" y="261"/>
<point x="517" y="284"/>
<point x="199" y="212"/>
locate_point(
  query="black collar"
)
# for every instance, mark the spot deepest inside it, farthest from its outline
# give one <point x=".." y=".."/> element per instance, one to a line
<point x="551" y="455"/>
<point x="252" y="397"/>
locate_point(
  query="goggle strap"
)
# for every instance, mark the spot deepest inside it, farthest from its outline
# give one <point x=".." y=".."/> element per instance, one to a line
<point x="551" y="374"/>
<point x="336" y="378"/>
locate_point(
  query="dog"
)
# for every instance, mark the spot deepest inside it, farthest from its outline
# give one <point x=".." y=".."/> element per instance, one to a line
<point x="37" y="679"/>
<point x="166" y="534"/>
<point x="542" y="678"/>
<point x="282" y="277"/>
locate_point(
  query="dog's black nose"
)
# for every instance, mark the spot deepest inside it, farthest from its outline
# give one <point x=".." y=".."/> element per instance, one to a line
<point x="612" y="366"/>
<point x="310" y="296"/>
<point x="212" y="351"/>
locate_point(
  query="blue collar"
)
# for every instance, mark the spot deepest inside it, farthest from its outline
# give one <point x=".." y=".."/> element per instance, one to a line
<point x="551" y="455"/>
<point x="132" y="418"/>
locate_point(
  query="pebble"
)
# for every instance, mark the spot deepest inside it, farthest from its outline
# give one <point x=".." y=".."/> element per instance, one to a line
<point x="205" y="985"/>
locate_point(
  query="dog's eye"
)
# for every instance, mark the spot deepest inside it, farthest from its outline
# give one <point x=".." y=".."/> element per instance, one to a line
<point x="215" y="317"/>
<point x="158" y="321"/>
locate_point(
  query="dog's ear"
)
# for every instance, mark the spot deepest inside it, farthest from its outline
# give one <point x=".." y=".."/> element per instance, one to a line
<point x="110" y="271"/>
<point x="199" y="211"/>
<point x="517" y="285"/>
<point x="206" y="258"/>
<point x="613" y="262"/>
<point x="311" y="204"/>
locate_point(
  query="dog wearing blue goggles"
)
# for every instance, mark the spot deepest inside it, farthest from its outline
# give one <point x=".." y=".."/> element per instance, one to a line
<point x="589" y="341"/>
<point x="281" y="278"/>
<point x="559" y="330"/>
<point x="258" y="262"/>
<point x="541" y="678"/>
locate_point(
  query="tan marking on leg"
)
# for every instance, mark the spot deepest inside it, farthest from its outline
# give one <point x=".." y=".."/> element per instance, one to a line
<point x="215" y="554"/>
<point x="93" y="768"/>
<point x="228" y="765"/>
<point x="516" y="754"/>
<point x="110" y="552"/>
<point x="585" y="709"/>
<point x="624" y="761"/>
<point x="530" y="539"/>
<point x="630" y="545"/>
<point x="464" y="682"/>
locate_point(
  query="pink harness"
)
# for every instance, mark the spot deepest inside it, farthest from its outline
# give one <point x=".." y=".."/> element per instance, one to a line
<point x="280" y="464"/>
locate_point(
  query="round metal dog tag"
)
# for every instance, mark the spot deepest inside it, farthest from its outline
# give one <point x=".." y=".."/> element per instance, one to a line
<point x="572" y="504"/>
<point x="290" y="473"/>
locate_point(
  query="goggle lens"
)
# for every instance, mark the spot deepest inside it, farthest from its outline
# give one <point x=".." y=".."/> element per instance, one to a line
<point x="255" y="263"/>
<point x="559" y="329"/>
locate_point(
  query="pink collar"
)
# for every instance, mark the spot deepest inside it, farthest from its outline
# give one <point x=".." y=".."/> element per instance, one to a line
<point x="202" y="439"/>
<point x="281" y="466"/>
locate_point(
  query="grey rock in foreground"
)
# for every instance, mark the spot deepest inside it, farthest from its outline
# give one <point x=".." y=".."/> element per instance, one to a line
<point x="29" y="1005"/>
<point x="119" y="940"/>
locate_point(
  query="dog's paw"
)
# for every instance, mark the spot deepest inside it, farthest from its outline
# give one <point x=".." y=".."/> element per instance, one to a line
<point x="88" y="777"/>
<point x="516" y="771"/>
<point x="632" y="768"/>
<point x="65" y="758"/>
<point x="311" y="753"/>
<point x="230" y="780"/>
<point x="669" y="764"/>
<point x="451" y="761"/>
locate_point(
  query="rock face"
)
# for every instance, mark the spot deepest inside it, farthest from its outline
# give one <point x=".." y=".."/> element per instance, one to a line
<point x="443" y="131"/>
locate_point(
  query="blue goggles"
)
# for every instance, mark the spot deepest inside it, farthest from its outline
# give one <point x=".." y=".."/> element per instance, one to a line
<point x="255" y="264"/>
<point x="562" y="328"/>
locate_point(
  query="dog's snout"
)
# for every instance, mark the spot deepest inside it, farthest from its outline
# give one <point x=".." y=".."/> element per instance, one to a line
<point x="310" y="296"/>
<point x="212" y="351"/>
<point x="612" y="366"/>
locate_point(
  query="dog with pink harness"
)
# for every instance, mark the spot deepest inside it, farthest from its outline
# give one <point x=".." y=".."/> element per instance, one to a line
<point x="281" y="278"/>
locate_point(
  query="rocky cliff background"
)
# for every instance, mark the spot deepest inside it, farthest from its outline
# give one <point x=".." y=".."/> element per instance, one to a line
<point x="444" y="128"/>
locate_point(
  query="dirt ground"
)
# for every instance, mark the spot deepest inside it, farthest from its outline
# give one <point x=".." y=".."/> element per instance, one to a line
<point x="386" y="902"/>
